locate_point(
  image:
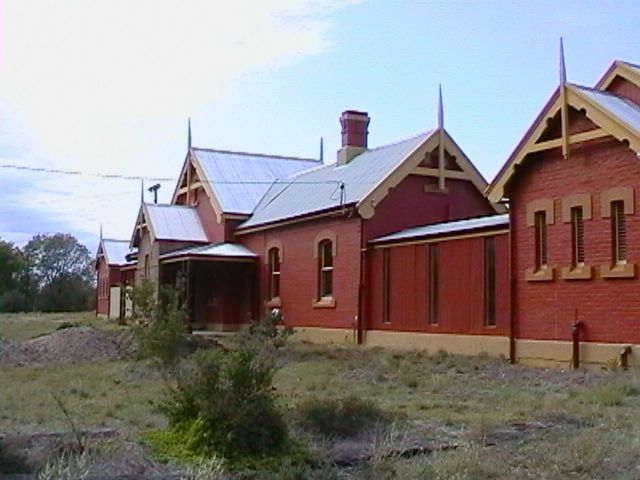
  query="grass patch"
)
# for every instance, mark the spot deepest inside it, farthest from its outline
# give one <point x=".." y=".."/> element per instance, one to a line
<point x="25" y="326"/>
<point x="612" y="394"/>
<point x="344" y="417"/>
<point x="98" y="395"/>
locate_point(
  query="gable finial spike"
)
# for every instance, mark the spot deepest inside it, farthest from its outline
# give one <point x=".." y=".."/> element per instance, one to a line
<point x="440" y="108"/>
<point x="563" y="69"/>
<point x="100" y="232"/>
<point x="321" y="149"/>
<point x="189" y="134"/>
<point x="141" y="190"/>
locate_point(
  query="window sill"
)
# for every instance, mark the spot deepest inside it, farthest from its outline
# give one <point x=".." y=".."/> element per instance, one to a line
<point x="622" y="270"/>
<point x="576" y="273"/>
<point x="273" y="303"/>
<point x="544" y="274"/>
<point x="328" y="302"/>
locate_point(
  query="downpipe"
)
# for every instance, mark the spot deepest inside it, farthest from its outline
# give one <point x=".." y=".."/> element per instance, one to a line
<point x="576" y="327"/>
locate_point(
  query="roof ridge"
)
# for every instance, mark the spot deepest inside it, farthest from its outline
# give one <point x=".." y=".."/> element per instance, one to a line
<point x="168" y="205"/>
<point x="114" y="240"/>
<point x="406" y="139"/>
<point x="608" y="93"/>
<point x="262" y="155"/>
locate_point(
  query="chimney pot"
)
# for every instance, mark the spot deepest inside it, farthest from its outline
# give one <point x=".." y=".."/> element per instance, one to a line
<point x="354" y="135"/>
<point x="354" y="128"/>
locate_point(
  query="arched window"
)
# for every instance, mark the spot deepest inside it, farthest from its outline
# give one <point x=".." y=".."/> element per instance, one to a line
<point x="325" y="269"/>
<point x="274" y="273"/>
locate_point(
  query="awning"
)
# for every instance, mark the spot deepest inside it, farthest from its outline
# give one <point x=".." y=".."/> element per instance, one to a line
<point x="213" y="251"/>
<point x="445" y="228"/>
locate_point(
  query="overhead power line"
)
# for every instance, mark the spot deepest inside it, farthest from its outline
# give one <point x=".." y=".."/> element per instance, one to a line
<point x="79" y="173"/>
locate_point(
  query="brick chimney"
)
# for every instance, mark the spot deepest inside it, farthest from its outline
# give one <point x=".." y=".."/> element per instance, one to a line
<point x="354" y="135"/>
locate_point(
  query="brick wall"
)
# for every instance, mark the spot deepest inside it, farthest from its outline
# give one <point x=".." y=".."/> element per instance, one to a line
<point x="408" y="205"/>
<point x="609" y="308"/>
<point x="299" y="270"/>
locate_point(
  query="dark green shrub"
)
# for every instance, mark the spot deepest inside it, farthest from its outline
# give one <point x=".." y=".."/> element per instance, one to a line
<point x="223" y="403"/>
<point x="162" y="337"/>
<point x="344" y="417"/>
<point x="271" y="329"/>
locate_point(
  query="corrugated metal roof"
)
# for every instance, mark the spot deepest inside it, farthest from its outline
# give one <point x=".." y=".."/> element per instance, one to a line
<point x="115" y="251"/>
<point x="620" y="107"/>
<point x="240" y="180"/>
<point x="445" y="228"/>
<point x="213" y="250"/>
<point x="175" y="222"/>
<point x="319" y="188"/>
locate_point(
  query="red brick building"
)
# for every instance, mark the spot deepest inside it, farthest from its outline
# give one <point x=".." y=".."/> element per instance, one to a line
<point x="114" y="273"/>
<point x="252" y="232"/>
<point x="573" y="185"/>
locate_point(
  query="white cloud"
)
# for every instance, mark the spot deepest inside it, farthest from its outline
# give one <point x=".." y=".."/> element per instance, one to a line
<point x="97" y="85"/>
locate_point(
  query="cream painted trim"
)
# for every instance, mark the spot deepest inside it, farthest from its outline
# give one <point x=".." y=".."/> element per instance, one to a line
<point x="558" y="353"/>
<point x="613" y="194"/>
<point x="573" y="139"/>
<point x="544" y="274"/>
<point x="366" y="206"/>
<point x="576" y="200"/>
<point x="433" y="172"/>
<point x="325" y="335"/>
<point x="183" y="172"/>
<point x="193" y="160"/>
<point x="324" y="302"/>
<point x="621" y="69"/>
<point x="495" y="345"/>
<point x="149" y="225"/>
<point x="326" y="235"/>
<point x="620" y="270"/>
<point x="443" y="239"/>
<point x="495" y="191"/>
<point x="194" y="187"/>
<point x="274" y="244"/>
<point x="615" y="125"/>
<point x="337" y="212"/>
<point x="609" y="123"/>
<point x="540" y="205"/>
<point x="582" y="272"/>
<point x="467" y="166"/>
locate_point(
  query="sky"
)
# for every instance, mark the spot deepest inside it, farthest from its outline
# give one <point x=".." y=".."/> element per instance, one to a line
<point x="107" y="86"/>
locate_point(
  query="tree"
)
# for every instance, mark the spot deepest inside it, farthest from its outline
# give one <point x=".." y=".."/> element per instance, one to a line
<point x="53" y="257"/>
<point x="11" y="265"/>
<point x="59" y="273"/>
<point x="12" y="274"/>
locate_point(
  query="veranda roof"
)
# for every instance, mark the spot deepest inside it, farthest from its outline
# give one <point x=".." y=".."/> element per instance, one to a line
<point x="445" y="228"/>
<point x="212" y="251"/>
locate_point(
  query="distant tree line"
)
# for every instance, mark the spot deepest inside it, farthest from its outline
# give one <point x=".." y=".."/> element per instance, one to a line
<point x="51" y="273"/>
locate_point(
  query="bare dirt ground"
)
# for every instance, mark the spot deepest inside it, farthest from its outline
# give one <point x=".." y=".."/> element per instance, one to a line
<point x="67" y="346"/>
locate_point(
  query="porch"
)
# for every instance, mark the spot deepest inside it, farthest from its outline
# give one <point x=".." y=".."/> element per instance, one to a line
<point x="220" y="282"/>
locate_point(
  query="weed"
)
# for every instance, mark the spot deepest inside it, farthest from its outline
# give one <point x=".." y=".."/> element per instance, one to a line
<point x="343" y="417"/>
<point x="611" y="394"/>
<point x="224" y="403"/>
<point x="66" y="467"/>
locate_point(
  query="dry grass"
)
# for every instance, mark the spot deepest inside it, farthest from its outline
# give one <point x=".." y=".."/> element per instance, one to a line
<point x="24" y="326"/>
<point x="502" y="422"/>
